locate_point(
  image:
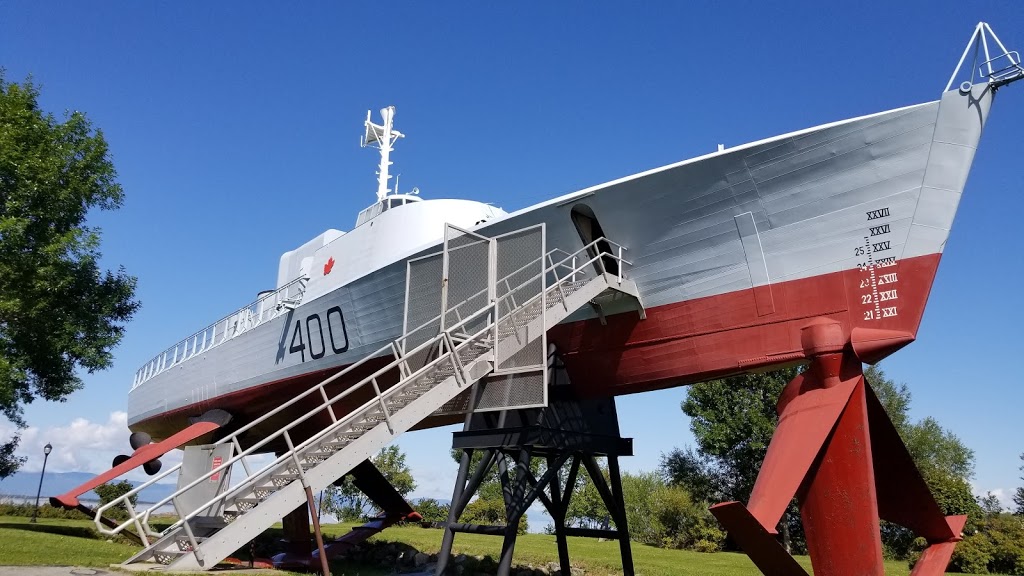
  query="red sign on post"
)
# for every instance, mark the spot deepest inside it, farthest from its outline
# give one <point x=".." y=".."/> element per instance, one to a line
<point x="217" y="461"/>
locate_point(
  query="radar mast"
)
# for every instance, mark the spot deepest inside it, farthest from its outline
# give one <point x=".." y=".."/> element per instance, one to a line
<point x="383" y="137"/>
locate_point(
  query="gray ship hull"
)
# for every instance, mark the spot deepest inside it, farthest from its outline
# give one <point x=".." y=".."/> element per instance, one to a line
<point x="731" y="249"/>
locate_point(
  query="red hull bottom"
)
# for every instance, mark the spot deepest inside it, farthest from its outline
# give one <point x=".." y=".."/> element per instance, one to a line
<point x="677" y="344"/>
<point x="748" y="330"/>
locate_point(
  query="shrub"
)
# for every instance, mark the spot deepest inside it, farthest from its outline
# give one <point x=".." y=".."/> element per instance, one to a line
<point x="490" y="512"/>
<point x="112" y="491"/>
<point x="431" y="510"/>
<point x="1006" y="533"/>
<point x="997" y="545"/>
<point x="45" y="511"/>
<point x="684" y="523"/>
<point x="972" y="555"/>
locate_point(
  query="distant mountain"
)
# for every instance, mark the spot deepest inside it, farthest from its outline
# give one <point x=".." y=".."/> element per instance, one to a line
<point x="24" y="485"/>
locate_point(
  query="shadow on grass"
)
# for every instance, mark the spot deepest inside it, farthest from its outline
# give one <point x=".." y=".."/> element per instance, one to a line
<point x="73" y="531"/>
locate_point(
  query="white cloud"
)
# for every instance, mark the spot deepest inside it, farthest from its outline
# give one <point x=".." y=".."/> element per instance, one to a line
<point x="1005" y="496"/>
<point x="434" y="481"/>
<point x="80" y="446"/>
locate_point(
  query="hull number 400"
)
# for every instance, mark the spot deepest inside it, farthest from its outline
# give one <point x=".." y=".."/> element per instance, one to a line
<point x="315" y="335"/>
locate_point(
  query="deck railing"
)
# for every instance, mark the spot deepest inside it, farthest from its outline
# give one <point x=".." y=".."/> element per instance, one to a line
<point x="265" y="308"/>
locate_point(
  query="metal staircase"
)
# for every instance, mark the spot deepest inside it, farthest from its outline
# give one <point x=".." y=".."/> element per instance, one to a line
<point x="432" y="373"/>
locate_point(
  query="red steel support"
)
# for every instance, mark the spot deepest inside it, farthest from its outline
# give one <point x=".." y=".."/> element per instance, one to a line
<point x="144" y="454"/>
<point x="838" y="453"/>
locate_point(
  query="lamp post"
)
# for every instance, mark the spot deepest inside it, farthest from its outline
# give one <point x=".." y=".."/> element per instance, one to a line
<point x="46" y="456"/>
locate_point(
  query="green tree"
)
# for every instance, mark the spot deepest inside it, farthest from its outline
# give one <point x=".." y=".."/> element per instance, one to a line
<point x="60" y="313"/>
<point x="1018" y="498"/>
<point x="489" y="505"/>
<point x="586" y="508"/>
<point x="990" y="505"/>
<point x="656" y="513"/>
<point x="431" y="510"/>
<point x="348" y="503"/>
<point x="694" y="470"/>
<point x="733" y="421"/>
<point x="994" y="545"/>
<point x="112" y="491"/>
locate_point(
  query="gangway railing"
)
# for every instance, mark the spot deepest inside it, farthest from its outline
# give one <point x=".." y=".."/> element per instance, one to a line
<point x="263" y="309"/>
<point x="463" y="353"/>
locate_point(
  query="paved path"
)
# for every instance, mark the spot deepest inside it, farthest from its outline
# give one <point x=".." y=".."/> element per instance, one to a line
<point x="79" y="571"/>
<point x="51" y="571"/>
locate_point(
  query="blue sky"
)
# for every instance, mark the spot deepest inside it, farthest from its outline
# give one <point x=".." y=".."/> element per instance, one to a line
<point x="235" y="127"/>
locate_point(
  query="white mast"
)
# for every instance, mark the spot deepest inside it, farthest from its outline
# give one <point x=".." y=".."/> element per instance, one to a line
<point x="384" y="136"/>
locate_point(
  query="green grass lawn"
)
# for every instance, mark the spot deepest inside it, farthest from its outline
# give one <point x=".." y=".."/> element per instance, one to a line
<point x="594" y="557"/>
<point x="57" y="542"/>
<point x="75" y="542"/>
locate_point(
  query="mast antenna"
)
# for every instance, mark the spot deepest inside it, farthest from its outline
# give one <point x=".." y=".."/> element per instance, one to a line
<point x="996" y="70"/>
<point x="383" y="137"/>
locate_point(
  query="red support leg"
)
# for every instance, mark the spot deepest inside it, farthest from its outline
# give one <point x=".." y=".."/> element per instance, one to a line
<point x="839" y="507"/>
<point x="836" y="450"/>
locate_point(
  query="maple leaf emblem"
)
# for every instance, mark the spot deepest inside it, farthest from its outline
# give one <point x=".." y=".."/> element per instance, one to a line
<point x="329" y="265"/>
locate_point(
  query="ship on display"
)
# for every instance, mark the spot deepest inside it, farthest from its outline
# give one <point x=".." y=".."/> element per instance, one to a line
<point x="821" y="241"/>
<point x="729" y="251"/>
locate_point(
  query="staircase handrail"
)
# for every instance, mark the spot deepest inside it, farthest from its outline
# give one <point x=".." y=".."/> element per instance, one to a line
<point x="241" y="487"/>
<point x="445" y="336"/>
<point x="234" y="437"/>
<point x="158" y="363"/>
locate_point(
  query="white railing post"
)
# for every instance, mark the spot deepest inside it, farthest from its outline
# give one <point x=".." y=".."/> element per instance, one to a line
<point x="245" y="465"/>
<point x="460" y="376"/>
<point x="188" y="532"/>
<point x="619" y="267"/>
<point x="383" y="406"/>
<point x="135" y="518"/>
<point x="327" y="403"/>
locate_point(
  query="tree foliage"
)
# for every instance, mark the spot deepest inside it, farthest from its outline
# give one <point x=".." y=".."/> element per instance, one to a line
<point x="1018" y="498"/>
<point x="431" y="510"/>
<point x="60" y="313"/>
<point x="994" y="545"/>
<point x="491" y="512"/>
<point x="112" y="491"/>
<point x="489" y="505"/>
<point x="348" y="503"/>
<point x="733" y="421"/>
<point x="656" y="513"/>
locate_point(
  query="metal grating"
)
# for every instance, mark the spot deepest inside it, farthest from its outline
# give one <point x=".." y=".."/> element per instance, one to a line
<point x="520" y="372"/>
<point x="466" y="272"/>
<point x="422" y="306"/>
<point x="508" y="391"/>
<point x="520" y="292"/>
